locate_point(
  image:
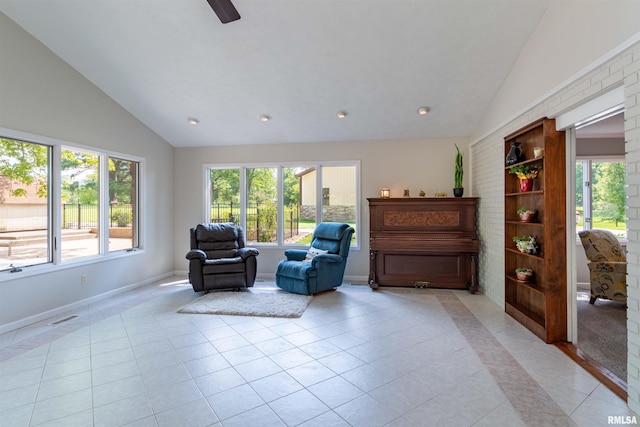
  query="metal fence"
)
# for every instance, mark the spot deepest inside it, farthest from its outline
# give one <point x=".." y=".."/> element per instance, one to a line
<point x="261" y="219"/>
<point x="80" y="216"/>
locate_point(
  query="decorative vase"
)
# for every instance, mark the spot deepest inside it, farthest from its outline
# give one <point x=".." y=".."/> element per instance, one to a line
<point x="458" y="191"/>
<point x="526" y="185"/>
<point x="523" y="277"/>
<point x="527" y="216"/>
<point x="528" y="245"/>
<point x="515" y="154"/>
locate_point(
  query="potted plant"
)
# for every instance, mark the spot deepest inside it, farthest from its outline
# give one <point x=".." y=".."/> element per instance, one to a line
<point x="524" y="274"/>
<point x="527" y="215"/>
<point x="526" y="244"/>
<point x="526" y="174"/>
<point x="459" y="172"/>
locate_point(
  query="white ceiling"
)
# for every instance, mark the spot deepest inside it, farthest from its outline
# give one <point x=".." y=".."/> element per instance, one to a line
<point x="611" y="127"/>
<point x="299" y="61"/>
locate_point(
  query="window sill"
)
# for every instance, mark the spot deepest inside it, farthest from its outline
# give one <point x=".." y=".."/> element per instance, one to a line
<point x="36" y="270"/>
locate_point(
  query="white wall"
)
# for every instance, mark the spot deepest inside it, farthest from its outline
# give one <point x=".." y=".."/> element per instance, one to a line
<point x="602" y="36"/>
<point x="571" y="37"/>
<point x="417" y="165"/>
<point x="41" y="95"/>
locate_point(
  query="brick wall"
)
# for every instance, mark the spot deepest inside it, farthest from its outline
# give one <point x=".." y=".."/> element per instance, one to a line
<point x="487" y="161"/>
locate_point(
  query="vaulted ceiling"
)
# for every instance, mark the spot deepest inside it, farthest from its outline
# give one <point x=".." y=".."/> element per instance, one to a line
<point x="298" y="61"/>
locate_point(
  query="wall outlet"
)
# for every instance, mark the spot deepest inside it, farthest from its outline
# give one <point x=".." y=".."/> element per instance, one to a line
<point x="83" y="279"/>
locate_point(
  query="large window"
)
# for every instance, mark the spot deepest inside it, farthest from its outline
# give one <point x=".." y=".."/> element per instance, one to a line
<point x="80" y="204"/>
<point x="72" y="205"/>
<point x="261" y="189"/>
<point x="600" y="196"/>
<point x="281" y="204"/>
<point x="25" y="213"/>
<point x="123" y="204"/>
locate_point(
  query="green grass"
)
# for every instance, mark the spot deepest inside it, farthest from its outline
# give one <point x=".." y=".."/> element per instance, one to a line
<point x="601" y="223"/>
<point x="312" y="225"/>
<point x="609" y="225"/>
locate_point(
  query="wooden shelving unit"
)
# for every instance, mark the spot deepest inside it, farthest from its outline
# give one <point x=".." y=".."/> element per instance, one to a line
<point x="541" y="304"/>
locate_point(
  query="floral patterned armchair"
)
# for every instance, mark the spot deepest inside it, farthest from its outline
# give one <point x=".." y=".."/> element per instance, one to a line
<point x="607" y="265"/>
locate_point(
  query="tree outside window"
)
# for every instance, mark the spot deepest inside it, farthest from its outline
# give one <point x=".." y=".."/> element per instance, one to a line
<point x="27" y="228"/>
<point x="601" y="196"/>
<point x="297" y="201"/>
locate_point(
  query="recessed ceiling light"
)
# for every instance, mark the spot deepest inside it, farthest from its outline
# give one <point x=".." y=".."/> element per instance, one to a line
<point x="342" y="114"/>
<point x="423" y="110"/>
<point x="193" y="121"/>
<point x="265" y="118"/>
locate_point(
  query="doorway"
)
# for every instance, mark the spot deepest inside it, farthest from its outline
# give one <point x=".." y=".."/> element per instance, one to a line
<point x="600" y="203"/>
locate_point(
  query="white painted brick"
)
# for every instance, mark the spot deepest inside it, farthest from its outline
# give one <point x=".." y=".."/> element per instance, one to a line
<point x="632" y="107"/>
<point x="488" y="174"/>
<point x="613" y="79"/>
<point x="591" y="90"/>
<point x="575" y="89"/>
<point x="634" y="67"/>
<point x="599" y="75"/>
<point x="633" y="326"/>
<point x="621" y="62"/>
<point x="631" y="85"/>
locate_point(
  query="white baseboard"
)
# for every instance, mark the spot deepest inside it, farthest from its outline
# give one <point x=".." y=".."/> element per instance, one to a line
<point x="583" y="286"/>
<point x="66" y="308"/>
<point x="357" y="280"/>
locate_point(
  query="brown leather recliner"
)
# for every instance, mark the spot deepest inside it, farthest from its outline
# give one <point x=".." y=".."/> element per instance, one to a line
<point x="218" y="258"/>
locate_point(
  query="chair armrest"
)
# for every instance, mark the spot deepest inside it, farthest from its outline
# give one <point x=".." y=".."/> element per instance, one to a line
<point x="196" y="254"/>
<point x="245" y="253"/>
<point x="611" y="263"/>
<point x="608" y="268"/>
<point x="295" y="254"/>
<point x="326" y="258"/>
<point x="223" y="261"/>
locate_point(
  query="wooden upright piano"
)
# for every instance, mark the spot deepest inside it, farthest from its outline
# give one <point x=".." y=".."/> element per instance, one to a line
<point x="424" y="242"/>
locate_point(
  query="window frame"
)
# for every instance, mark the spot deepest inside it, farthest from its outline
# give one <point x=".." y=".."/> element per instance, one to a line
<point x="54" y="205"/>
<point x="587" y="200"/>
<point x="317" y="165"/>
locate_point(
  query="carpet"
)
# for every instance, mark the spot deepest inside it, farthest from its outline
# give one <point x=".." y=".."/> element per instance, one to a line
<point x="249" y="303"/>
<point x="602" y="333"/>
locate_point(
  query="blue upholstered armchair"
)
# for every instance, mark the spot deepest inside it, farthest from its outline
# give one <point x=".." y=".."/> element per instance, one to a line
<point x="322" y="266"/>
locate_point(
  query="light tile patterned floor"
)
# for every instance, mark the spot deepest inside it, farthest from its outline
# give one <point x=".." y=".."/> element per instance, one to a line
<point x="392" y="357"/>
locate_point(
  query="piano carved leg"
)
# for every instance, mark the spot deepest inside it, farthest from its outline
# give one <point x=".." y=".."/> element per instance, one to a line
<point x="373" y="284"/>
<point x="474" y="275"/>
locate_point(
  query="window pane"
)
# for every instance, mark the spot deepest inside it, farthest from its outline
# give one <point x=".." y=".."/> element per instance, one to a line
<point x="300" y="200"/>
<point x="608" y="197"/>
<point x="80" y="207"/>
<point x="24" y="203"/>
<point x="339" y="195"/>
<point x="261" y="205"/>
<point x="225" y="195"/>
<point x="123" y="203"/>
<point x="579" y="198"/>
<point x="299" y="204"/>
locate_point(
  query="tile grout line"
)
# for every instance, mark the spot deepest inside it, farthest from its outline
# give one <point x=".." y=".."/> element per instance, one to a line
<point x="533" y="403"/>
<point x="23" y="346"/>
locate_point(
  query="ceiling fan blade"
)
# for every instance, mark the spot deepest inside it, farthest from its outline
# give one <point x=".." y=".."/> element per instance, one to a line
<point x="225" y="10"/>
